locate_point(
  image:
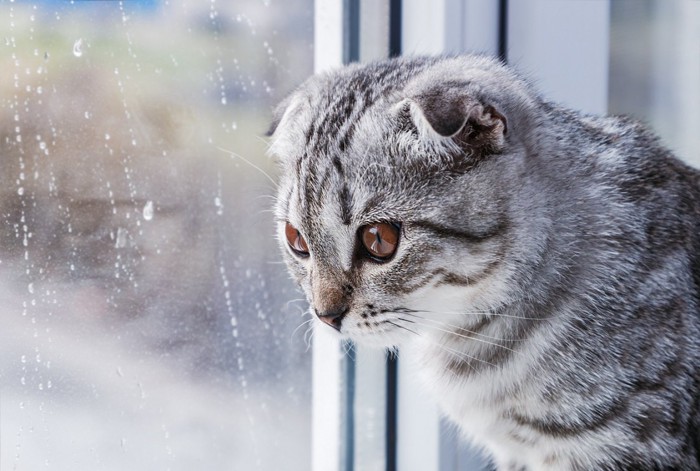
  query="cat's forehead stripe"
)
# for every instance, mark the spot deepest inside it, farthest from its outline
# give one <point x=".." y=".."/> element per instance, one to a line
<point x="347" y="99"/>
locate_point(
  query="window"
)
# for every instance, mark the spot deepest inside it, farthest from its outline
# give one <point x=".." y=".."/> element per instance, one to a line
<point x="655" y="69"/>
<point x="147" y="321"/>
<point x="146" y="324"/>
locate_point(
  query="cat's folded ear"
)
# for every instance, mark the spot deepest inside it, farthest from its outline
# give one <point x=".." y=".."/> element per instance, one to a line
<point x="284" y="129"/>
<point x="277" y="115"/>
<point x="451" y="111"/>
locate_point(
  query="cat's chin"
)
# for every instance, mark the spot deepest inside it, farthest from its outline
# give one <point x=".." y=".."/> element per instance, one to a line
<point x="387" y="339"/>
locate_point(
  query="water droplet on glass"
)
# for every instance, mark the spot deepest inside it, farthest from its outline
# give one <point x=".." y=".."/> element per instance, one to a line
<point x="223" y="100"/>
<point x="219" y="206"/>
<point x="106" y="137"/>
<point x="121" y="238"/>
<point x="148" y="211"/>
<point x="46" y="56"/>
<point x="30" y="288"/>
<point x="78" y="48"/>
<point x="20" y="191"/>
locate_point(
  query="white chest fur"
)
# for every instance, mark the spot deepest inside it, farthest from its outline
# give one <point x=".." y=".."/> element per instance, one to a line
<point x="480" y="405"/>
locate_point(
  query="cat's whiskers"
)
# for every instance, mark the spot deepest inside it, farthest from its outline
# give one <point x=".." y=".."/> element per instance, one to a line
<point x="305" y="323"/>
<point x="238" y="156"/>
<point x="297" y="300"/>
<point x="460" y="355"/>
<point x="274" y="198"/>
<point x="486" y="313"/>
<point x="461" y="328"/>
<point x="347" y="347"/>
<point x="401" y="326"/>
<point x="308" y="336"/>
<point x="461" y="335"/>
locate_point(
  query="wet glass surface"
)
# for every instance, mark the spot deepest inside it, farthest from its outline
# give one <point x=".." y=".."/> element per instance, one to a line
<point x="146" y="319"/>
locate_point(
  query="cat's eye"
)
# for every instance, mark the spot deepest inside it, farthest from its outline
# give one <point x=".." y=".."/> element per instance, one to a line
<point x="296" y="241"/>
<point x="380" y="239"/>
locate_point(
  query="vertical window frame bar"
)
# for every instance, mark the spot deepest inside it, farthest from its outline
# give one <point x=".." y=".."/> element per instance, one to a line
<point x="329" y="371"/>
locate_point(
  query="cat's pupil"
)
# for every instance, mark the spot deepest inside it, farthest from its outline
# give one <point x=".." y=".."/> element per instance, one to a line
<point x="380" y="239"/>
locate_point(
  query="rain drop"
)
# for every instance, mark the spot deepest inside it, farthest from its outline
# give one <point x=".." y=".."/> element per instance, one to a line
<point x="148" y="211"/>
<point x="78" y="48"/>
<point x="219" y="206"/>
<point x="121" y="238"/>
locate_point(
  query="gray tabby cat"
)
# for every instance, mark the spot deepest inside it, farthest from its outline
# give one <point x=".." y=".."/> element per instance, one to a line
<point x="542" y="263"/>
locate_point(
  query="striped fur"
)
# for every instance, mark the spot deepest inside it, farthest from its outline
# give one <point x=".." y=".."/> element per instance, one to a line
<point x="548" y="268"/>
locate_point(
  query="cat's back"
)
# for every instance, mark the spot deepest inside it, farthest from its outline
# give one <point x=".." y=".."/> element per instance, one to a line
<point x="638" y="180"/>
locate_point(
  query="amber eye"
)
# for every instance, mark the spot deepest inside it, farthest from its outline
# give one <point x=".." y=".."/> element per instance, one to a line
<point x="296" y="241"/>
<point x="380" y="239"/>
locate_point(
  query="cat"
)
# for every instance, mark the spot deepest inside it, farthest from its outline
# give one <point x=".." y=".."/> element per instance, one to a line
<point x="543" y="264"/>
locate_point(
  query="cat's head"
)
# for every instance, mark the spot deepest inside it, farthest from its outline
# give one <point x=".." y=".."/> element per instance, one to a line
<point x="393" y="209"/>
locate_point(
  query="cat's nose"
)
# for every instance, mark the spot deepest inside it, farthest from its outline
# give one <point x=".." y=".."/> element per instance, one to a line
<point x="333" y="317"/>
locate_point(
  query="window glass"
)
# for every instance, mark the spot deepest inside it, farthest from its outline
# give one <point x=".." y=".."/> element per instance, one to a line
<point x="146" y="322"/>
<point x="655" y="69"/>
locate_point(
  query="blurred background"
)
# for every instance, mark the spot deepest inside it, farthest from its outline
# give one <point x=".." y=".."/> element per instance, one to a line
<point x="146" y="322"/>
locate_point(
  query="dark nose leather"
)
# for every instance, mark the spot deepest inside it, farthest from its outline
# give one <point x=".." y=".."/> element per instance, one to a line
<point x="334" y="317"/>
